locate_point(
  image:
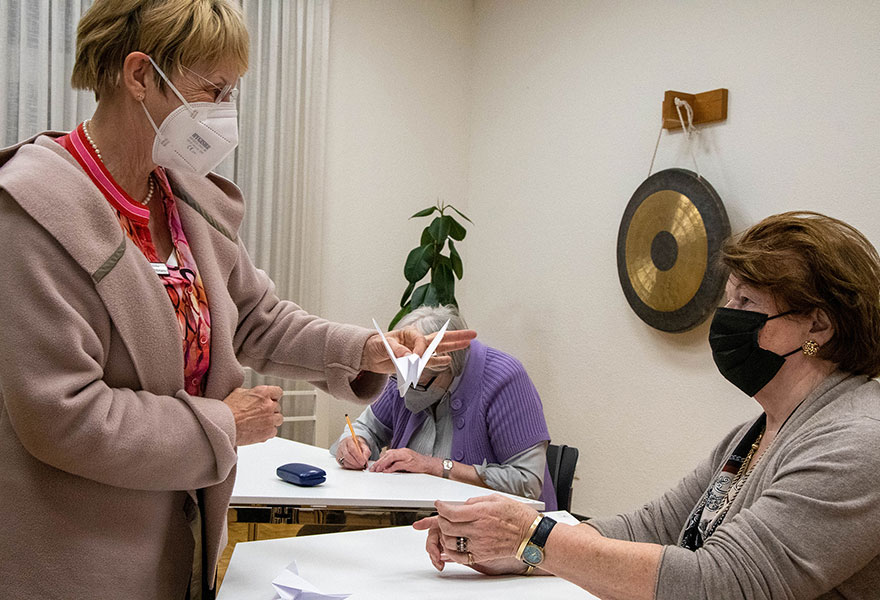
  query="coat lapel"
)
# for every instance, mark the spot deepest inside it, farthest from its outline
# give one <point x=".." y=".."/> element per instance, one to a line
<point x="215" y="251"/>
<point x="87" y="227"/>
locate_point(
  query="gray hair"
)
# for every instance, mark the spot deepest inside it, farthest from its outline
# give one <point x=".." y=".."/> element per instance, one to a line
<point x="428" y="319"/>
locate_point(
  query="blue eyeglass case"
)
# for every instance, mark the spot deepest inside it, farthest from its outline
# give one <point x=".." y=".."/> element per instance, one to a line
<point x="301" y="474"/>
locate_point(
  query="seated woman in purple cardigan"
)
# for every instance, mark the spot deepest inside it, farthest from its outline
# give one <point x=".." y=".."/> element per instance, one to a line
<point x="479" y="421"/>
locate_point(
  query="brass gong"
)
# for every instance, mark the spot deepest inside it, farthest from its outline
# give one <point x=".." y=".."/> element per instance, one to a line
<point x="667" y="250"/>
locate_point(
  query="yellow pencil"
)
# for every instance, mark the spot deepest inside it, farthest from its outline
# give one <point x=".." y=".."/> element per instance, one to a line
<point x="354" y="437"/>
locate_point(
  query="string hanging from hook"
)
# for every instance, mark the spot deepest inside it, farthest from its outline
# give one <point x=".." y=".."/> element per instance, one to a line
<point x="689" y="129"/>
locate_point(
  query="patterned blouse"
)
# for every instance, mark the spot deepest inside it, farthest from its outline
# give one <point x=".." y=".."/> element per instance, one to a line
<point x="179" y="275"/>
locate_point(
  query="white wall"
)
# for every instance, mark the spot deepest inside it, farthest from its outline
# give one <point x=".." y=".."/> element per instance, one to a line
<point x="541" y="116"/>
<point x="566" y="111"/>
<point x="397" y="140"/>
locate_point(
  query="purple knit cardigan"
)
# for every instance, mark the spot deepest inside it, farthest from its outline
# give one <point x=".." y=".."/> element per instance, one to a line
<point x="496" y="413"/>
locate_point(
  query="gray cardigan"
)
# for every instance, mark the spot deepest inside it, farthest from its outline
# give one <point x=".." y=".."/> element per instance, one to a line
<point x="807" y="522"/>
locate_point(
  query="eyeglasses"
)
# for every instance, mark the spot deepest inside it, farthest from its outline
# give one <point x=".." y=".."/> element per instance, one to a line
<point x="228" y="93"/>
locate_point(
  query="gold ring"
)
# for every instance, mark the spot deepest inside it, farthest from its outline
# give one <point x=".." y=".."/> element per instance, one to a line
<point x="470" y="559"/>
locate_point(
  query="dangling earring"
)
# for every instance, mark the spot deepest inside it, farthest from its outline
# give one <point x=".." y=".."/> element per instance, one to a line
<point x="810" y="348"/>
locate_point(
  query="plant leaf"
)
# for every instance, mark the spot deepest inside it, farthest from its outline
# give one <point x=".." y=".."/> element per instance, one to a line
<point x="460" y="213"/>
<point x="431" y="296"/>
<point x="400" y="314"/>
<point x="450" y="299"/>
<point x="456" y="231"/>
<point x="418" y="262"/>
<point x="409" y="289"/>
<point x="442" y="260"/>
<point x="439" y="229"/>
<point x="418" y="297"/>
<point x="455" y="259"/>
<point x="427" y="211"/>
<point x="426" y="237"/>
<point x="442" y="279"/>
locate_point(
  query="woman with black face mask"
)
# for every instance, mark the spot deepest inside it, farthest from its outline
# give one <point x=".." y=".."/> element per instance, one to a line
<point x="787" y="505"/>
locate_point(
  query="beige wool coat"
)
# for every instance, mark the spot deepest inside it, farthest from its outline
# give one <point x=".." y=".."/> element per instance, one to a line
<point x="101" y="449"/>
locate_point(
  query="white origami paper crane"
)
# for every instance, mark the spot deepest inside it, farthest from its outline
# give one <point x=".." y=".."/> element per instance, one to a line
<point x="289" y="585"/>
<point x="409" y="368"/>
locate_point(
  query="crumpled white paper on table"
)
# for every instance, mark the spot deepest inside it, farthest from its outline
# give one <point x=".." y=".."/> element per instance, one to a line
<point x="290" y="586"/>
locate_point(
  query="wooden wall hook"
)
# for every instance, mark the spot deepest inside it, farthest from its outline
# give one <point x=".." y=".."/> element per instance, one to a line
<point x="708" y="107"/>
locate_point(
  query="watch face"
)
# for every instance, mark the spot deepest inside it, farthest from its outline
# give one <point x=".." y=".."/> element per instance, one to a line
<point x="533" y="555"/>
<point x="447" y="464"/>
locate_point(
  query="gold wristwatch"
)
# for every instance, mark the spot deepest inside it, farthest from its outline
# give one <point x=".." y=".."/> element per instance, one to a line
<point x="531" y="550"/>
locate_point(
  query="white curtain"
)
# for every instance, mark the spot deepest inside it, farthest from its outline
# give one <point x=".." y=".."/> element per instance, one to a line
<point x="37" y="42"/>
<point x="279" y="163"/>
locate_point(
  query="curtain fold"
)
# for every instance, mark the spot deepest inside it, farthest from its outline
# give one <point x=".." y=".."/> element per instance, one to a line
<point x="279" y="164"/>
<point x="38" y="38"/>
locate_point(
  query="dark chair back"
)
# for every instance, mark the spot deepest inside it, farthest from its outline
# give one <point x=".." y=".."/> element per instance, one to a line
<point x="561" y="461"/>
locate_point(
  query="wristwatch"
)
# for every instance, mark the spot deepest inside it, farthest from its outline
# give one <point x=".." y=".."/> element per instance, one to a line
<point x="533" y="552"/>
<point x="447" y="467"/>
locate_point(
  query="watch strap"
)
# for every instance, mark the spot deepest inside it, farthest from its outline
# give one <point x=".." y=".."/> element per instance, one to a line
<point x="528" y="536"/>
<point x="542" y="532"/>
<point x="447" y="467"/>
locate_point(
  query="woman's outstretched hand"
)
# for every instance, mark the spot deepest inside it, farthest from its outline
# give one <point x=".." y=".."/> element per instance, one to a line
<point x="408" y="341"/>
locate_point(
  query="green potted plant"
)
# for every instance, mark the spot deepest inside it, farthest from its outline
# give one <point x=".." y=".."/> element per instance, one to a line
<point x="428" y="258"/>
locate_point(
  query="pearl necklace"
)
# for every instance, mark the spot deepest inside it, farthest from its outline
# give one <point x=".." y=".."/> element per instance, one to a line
<point x="150" y="185"/>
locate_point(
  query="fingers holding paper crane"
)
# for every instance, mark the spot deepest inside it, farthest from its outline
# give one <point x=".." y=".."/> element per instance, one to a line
<point x="403" y="342"/>
<point x="409" y="367"/>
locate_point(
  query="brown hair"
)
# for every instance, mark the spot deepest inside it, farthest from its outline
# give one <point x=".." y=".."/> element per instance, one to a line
<point x="174" y="33"/>
<point x="807" y="260"/>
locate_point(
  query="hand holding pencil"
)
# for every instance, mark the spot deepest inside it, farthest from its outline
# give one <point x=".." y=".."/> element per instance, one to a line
<point x="352" y="452"/>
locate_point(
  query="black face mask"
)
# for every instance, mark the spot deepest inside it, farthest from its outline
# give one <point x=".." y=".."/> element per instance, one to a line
<point x="733" y="337"/>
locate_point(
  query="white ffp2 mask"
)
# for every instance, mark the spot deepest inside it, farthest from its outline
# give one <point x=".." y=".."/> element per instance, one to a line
<point x="195" y="136"/>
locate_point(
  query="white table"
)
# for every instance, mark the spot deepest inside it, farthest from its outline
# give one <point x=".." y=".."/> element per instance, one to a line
<point x="387" y="564"/>
<point x="257" y="483"/>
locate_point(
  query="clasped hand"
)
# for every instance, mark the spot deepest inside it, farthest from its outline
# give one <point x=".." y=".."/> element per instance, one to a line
<point x="257" y="413"/>
<point x="493" y="525"/>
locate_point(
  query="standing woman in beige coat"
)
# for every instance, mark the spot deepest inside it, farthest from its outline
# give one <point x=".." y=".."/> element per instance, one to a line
<point x="129" y="306"/>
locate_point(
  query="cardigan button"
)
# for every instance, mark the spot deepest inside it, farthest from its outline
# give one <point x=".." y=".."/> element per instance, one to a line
<point x="455" y="404"/>
<point x="459" y="422"/>
<point x="459" y="455"/>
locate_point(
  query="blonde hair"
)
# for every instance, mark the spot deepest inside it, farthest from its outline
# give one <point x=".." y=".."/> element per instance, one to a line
<point x="175" y="33"/>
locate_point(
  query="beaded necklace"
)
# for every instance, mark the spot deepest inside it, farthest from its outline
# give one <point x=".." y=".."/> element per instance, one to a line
<point x="150" y="184"/>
